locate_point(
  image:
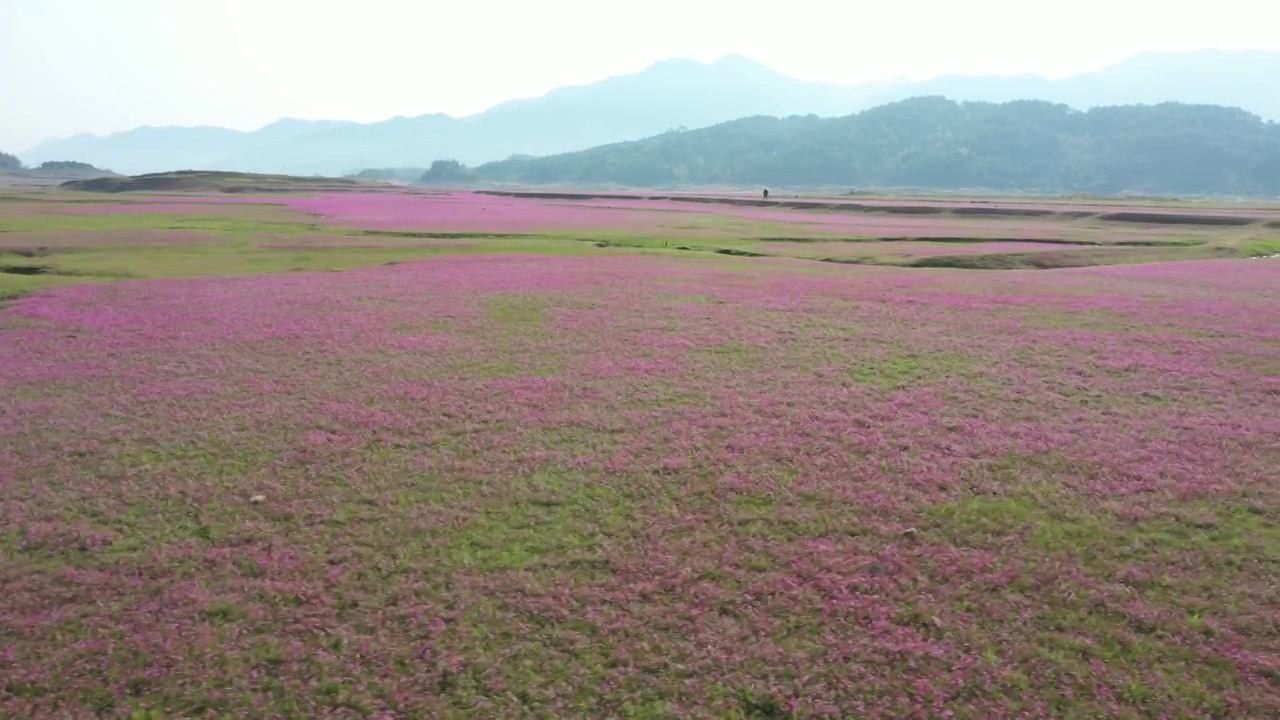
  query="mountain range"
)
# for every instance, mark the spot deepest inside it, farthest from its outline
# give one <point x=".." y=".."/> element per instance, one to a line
<point x="667" y="95"/>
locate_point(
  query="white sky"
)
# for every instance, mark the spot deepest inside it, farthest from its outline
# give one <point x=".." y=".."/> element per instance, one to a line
<point x="70" y="66"/>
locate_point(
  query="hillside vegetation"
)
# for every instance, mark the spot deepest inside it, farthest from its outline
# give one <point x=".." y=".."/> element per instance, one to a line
<point x="935" y="143"/>
<point x="14" y="173"/>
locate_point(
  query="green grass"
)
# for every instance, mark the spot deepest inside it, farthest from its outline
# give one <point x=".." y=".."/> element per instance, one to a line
<point x="236" y="255"/>
<point x="731" y="356"/>
<point x="13" y="287"/>
<point x="1264" y="247"/>
<point x="1209" y="551"/>
<point x="234" y="247"/>
<point x="518" y="310"/>
<point x="246" y="219"/>
<point x="694" y="299"/>
<point x="1009" y="499"/>
<point x="903" y="370"/>
<point x="554" y="517"/>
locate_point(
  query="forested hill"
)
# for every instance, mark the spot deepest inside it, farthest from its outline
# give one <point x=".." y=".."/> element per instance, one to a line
<point x="935" y="143"/>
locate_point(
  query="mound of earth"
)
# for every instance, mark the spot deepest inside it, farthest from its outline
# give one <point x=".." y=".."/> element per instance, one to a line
<point x="208" y="180"/>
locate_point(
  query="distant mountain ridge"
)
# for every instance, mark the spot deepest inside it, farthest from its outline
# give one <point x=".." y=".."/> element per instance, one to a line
<point x="1229" y="78"/>
<point x="666" y="95"/>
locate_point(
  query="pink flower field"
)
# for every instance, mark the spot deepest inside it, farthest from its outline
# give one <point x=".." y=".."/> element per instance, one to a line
<point x="609" y="486"/>
<point x="466" y="212"/>
<point x="470" y="212"/>
<point x="484" y="213"/>
<point x="663" y="216"/>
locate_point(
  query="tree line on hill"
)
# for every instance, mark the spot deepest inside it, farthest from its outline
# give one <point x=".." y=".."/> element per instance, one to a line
<point x="935" y="143"/>
<point x="13" y="164"/>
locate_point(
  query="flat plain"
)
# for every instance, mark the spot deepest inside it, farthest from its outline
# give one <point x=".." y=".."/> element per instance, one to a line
<point x="414" y="455"/>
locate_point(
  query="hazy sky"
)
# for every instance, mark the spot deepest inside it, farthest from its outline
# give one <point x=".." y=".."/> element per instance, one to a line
<point x="71" y="66"/>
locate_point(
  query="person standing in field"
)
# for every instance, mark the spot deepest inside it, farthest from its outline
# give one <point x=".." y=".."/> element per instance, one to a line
<point x="766" y="193"/>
